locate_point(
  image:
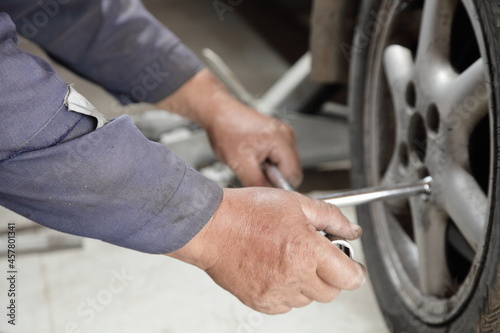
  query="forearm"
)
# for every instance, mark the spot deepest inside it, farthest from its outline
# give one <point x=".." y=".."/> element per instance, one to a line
<point x="203" y="99"/>
<point x="117" y="44"/>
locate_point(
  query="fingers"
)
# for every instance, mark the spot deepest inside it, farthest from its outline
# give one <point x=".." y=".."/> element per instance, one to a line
<point x="251" y="174"/>
<point x="272" y="140"/>
<point x="320" y="291"/>
<point x="287" y="160"/>
<point x="280" y="309"/>
<point x="338" y="270"/>
<point x="279" y="260"/>
<point x="329" y="218"/>
<point x="289" y="165"/>
<point x="280" y="304"/>
<point x="299" y="301"/>
<point x="324" y="286"/>
<point x="326" y="295"/>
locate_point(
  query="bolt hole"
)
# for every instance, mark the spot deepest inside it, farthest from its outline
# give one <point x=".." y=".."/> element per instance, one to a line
<point x="422" y="173"/>
<point x="433" y="119"/>
<point x="411" y="95"/>
<point x="404" y="154"/>
<point x="417" y="137"/>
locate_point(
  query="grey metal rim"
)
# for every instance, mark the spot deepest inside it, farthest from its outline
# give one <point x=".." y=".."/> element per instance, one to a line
<point x="424" y="108"/>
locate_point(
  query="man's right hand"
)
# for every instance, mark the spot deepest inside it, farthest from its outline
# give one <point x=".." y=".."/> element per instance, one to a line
<point x="262" y="245"/>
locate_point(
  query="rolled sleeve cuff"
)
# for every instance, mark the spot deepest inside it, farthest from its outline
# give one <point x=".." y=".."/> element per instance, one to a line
<point x="111" y="184"/>
<point x="196" y="197"/>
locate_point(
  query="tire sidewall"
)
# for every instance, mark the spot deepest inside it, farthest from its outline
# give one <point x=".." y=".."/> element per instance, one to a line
<point x="482" y="312"/>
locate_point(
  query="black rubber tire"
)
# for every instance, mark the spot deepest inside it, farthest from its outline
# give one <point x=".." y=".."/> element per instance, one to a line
<point x="481" y="312"/>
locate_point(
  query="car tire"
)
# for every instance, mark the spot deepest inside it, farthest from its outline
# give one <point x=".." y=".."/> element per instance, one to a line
<point x="428" y="272"/>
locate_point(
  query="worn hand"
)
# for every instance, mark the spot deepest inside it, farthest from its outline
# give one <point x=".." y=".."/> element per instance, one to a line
<point x="244" y="139"/>
<point x="262" y="245"/>
<point x="240" y="136"/>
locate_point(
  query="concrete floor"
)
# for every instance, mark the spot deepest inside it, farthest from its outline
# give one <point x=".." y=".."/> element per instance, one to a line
<point x="102" y="288"/>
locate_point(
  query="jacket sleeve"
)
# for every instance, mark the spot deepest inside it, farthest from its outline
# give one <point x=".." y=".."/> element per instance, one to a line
<point x="116" y="43"/>
<point x="109" y="183"/>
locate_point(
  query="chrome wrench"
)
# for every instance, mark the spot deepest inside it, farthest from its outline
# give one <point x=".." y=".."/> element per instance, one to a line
<point x="354" y="197"/>
<point x="357" y="196"/>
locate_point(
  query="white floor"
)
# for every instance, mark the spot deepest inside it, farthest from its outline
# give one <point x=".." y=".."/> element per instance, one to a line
<point x="103" y="288"/>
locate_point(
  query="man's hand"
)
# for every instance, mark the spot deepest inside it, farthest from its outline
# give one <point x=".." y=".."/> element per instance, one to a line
<point x="262" y="245"/>
<point x="244" y="139"/>
<point x="240" y="136"/>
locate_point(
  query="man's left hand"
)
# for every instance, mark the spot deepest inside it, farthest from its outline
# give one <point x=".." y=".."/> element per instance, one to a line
<point x="240" y="136"/>
<point x="244" y="139"/>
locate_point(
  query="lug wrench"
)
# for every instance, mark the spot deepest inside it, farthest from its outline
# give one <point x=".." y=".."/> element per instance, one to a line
<point x="358" y="196"/>
<point x="354" y="197"/>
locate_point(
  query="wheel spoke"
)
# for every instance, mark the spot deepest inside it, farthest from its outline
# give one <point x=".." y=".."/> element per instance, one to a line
<point x="392" y="175"/>
<point x="429" y="226"/>
<point x="398" y="66"/>
<point x="404" y="247"/>
<point x="466" y="204"/>
<point x="435" y="30"/>
<point x="466" y="99"/>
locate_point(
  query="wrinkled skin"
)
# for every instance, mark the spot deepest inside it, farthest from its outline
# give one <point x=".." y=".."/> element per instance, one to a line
<point x="240" y="136"/>
<point x="246" y="142"/>
<point x="262" y="245"/>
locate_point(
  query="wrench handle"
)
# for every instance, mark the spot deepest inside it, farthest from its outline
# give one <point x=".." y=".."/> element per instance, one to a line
<point x="276" y="178"/>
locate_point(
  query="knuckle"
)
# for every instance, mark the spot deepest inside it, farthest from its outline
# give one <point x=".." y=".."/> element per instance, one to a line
<point x="302" y="303"/>
<point x="261" y="306"/>
<point x="356" y="279"/>
<point x="331" y="296"/>
<point x="328" y="296"/>
<point x="289" y="132"/>
<point x="283" y="128"/>
<point x="288" y="129"/>
<point x="265" y="305"/>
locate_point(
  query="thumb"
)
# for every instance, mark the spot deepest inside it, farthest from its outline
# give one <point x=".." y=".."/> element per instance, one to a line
<point x="328" y="217"/>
